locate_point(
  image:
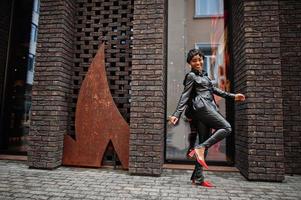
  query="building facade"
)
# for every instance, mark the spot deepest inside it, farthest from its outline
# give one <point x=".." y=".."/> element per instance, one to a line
<point x="262" y="44"/>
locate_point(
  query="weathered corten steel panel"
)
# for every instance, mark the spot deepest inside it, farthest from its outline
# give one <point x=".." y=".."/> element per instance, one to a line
<point x="97" y="121"/>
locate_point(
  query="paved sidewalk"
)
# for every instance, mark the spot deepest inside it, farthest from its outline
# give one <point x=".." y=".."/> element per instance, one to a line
<point x="19" y="182"/>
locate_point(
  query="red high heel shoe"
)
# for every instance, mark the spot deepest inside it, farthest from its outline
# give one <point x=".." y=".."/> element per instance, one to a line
<point x="202" y="162"/>
<point x="207" y="184"/>
<point x="204" y="184"/>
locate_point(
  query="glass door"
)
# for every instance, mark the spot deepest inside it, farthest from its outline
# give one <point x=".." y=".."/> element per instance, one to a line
<point x="195" y="24"/>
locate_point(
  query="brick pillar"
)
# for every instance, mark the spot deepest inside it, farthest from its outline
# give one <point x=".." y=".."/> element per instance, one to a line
<point x="238" y="64"/>
<point x="147" y="88"/>
<point x="257" y="74"/>
<point x="52" y="80"/>
<point x="290" y="20"/>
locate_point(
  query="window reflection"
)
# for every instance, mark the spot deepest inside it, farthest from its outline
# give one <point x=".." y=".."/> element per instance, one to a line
<point x="36" y="6"/>
<point x="34" y="33"/>
<point x="31" y="60"/>
<point x="208" y="8"/>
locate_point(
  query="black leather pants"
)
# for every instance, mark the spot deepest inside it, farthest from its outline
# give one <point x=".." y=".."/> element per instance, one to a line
<point x="211" y="118"/>
<point x="203" y="132"/>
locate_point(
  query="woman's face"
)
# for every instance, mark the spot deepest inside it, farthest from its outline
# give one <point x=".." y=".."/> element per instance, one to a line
<point x="197" y="62"/>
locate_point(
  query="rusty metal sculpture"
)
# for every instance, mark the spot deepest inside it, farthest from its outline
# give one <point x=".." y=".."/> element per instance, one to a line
<point x="97" y="121"/>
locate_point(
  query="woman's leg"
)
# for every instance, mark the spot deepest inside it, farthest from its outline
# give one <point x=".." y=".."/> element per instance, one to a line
<point x="203" y="134"/>
<point x="215" y="120"/>
<point x="203" y="131"/>
<point x="191" y="137"/>
<point x="197" y="174"/>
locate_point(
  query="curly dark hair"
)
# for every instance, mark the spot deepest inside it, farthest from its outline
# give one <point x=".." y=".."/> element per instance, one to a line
<point x="192" y="53"/>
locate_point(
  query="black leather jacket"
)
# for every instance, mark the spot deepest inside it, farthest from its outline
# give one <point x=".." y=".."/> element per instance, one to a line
<point x="198" y="93"/>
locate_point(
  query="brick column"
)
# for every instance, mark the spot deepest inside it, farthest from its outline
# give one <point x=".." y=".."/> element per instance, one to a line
<point x="147" y="88"/>
<point x="52" y="80"/>
<point x="238" y="64"/>
<point x="257" y="73"/>
<point x="290" y="20"/>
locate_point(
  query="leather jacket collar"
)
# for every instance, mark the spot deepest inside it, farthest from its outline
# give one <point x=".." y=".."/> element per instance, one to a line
<point x="200" y="73"/>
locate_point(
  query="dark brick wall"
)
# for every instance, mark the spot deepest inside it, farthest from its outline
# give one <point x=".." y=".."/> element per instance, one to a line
<point x="147" y="88"/>
<point x="4" y="31"/>
<point x="52" y="81"/>
<point x="290" y="35"/>
<point x="260" y="127"/>
<point x="109" y="21"/>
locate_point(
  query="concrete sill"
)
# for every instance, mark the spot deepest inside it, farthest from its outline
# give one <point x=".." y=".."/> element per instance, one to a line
<point x="13" y="157"/>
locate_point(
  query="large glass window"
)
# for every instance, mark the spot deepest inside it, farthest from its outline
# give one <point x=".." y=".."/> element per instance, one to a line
<point x="185" y="31"/>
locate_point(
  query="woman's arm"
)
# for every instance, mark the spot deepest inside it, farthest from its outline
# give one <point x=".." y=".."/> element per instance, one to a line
<point x="185" y="95"/>
<point x="236" y="97"/>
<point x="222" y="93"/>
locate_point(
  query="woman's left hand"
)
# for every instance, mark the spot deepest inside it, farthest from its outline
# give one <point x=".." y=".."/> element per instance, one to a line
<point x="240" y="97"/>
<point x="173" y="120"/>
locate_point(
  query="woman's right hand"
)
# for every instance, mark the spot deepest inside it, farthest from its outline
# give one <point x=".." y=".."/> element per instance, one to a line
<point x="173" y="120"/>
